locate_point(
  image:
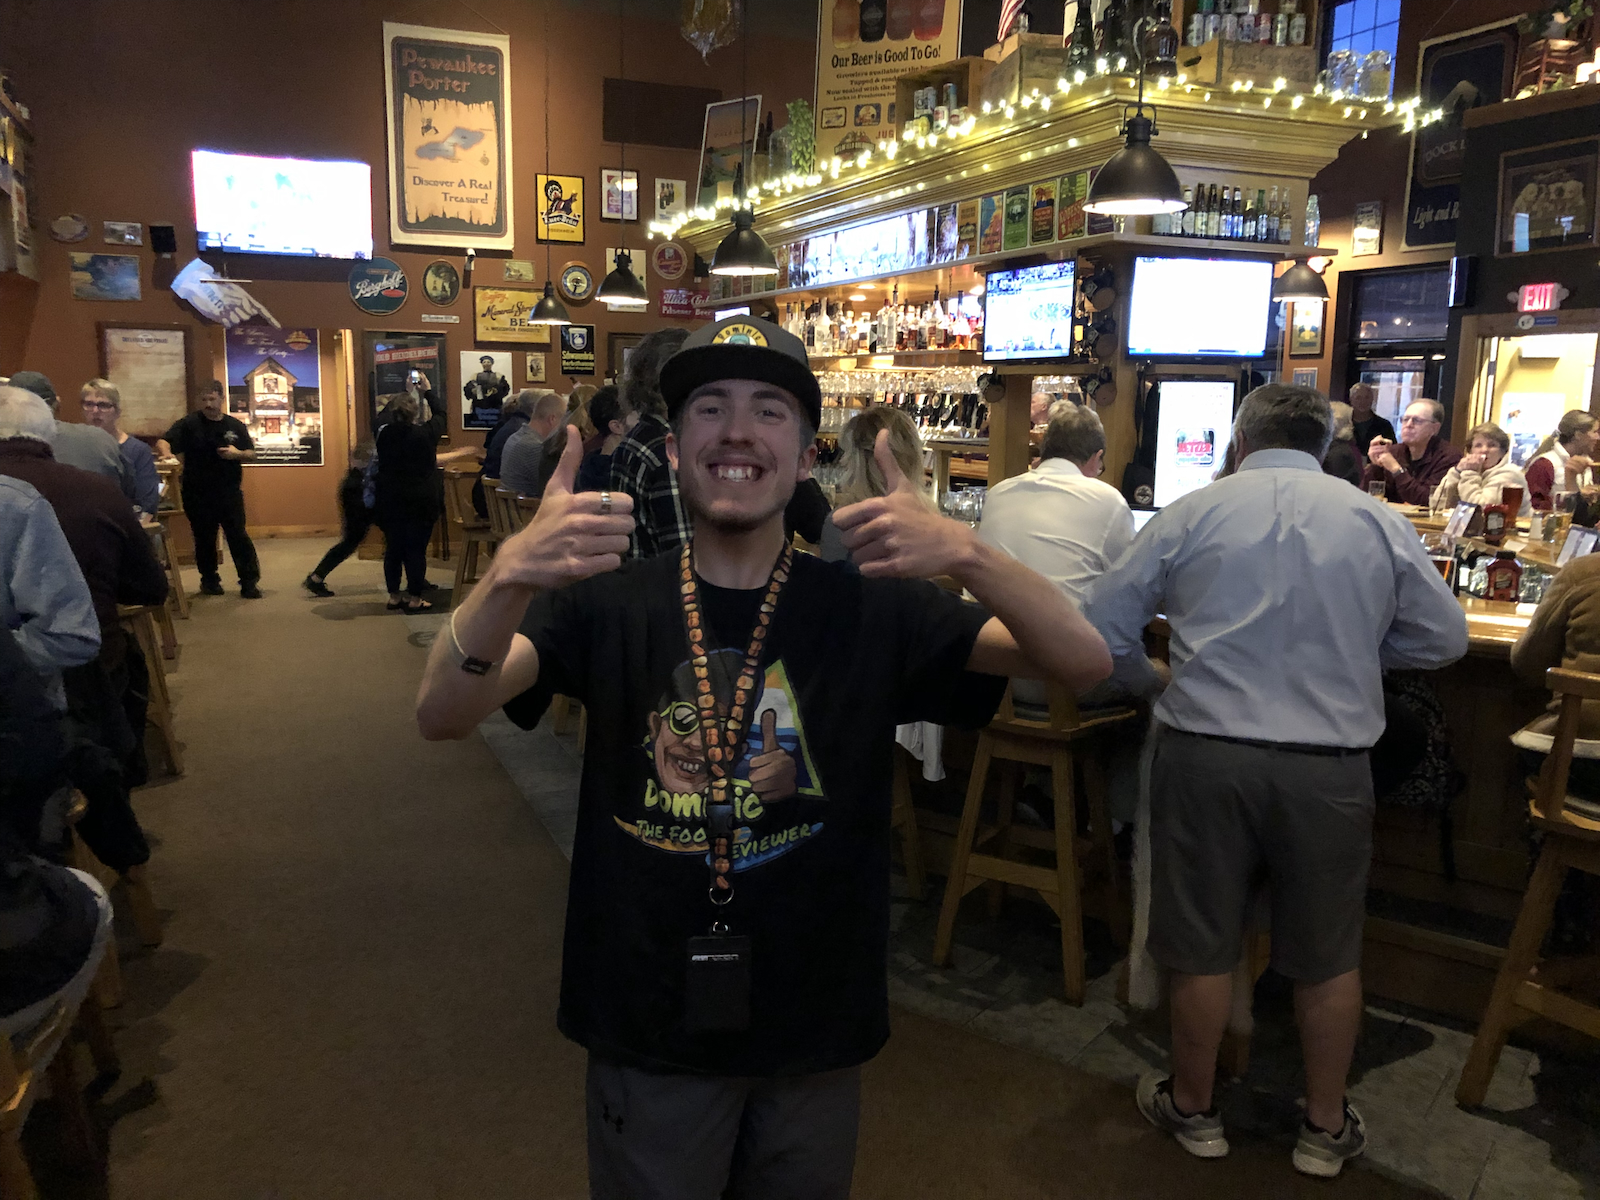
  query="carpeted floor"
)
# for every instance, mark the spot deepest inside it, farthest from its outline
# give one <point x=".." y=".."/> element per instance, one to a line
<point x="356" y="994"/>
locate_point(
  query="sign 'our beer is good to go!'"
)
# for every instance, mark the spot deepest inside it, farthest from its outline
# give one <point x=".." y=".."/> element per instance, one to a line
<point x="448" y="95"/>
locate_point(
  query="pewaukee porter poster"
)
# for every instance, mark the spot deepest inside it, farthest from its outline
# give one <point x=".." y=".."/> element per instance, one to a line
<point x="448" y="95"/>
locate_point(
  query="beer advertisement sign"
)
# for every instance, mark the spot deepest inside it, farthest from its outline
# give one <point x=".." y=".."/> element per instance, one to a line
<point x="501" y="315"/>
<point x="449" y="117"/>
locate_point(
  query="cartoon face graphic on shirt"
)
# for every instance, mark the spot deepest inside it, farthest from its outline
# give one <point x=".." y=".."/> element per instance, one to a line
<point x="774" y="773"/>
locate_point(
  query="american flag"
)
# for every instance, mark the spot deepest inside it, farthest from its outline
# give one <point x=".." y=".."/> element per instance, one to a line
<point x="1008" y="17"/>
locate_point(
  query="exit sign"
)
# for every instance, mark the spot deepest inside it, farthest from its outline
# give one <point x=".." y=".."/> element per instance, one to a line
<point x="1540" y="297"/>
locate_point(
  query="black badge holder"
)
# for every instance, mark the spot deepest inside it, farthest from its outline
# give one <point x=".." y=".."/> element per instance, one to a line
<point x="716" y="994"/>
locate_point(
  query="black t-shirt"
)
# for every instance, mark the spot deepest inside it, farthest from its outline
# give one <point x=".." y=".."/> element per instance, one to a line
<point x="847" y="660"/>
<point x="198" y="438"/>
<point x="1373" y="426"/>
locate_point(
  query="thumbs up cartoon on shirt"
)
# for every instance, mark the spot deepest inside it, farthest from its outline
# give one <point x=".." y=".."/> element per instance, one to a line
<point x="773" y="771"/>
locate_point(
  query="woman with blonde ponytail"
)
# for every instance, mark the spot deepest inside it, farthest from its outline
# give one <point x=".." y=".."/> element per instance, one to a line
<point x="1562" y="462"/>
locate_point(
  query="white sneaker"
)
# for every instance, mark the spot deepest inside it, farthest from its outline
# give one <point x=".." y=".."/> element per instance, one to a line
<point x="1201" y="1134"/>
<point x="1324" y="1155"/>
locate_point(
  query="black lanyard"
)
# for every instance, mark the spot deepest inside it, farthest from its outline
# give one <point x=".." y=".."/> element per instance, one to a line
<point x="722" y="739"/>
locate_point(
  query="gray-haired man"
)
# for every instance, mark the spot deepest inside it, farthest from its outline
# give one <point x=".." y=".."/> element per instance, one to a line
<point x="1282" y="624"/>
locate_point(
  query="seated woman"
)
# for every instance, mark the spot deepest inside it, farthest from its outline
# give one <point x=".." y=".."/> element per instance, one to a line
<point x="1344" y="458"/>
<point x="1562" y="462"/>
<point x="1482" y="472"/>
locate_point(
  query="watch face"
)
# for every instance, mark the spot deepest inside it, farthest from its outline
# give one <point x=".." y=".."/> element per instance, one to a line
<point x="576" y="283"/>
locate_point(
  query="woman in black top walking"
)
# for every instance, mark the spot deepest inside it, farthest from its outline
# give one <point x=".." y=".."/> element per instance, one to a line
<point x="355" y="516"/>
<point x="408" y="493"/>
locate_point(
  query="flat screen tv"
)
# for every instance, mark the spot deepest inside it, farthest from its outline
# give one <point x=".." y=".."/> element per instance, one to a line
<point x="1193" y="428"/>
<point x="1028" y="312"/>
<point x="1199" y="307"/>
<point x="313" y="208"/>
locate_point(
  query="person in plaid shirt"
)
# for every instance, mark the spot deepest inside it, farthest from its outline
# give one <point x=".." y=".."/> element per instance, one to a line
<point x="639" y="465"/>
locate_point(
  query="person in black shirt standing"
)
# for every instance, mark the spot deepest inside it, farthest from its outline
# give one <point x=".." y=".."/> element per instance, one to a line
<point x="407" y="493"/>
<point x="728" y="911"/>
<point x="213" y="446"/>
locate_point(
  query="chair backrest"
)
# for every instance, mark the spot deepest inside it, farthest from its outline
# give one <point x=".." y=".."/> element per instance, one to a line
<point x="1574" y="687"/>
<point x="501" y="503"/>
<point x="1063" y="711"/>
<point x="525" y="508"/>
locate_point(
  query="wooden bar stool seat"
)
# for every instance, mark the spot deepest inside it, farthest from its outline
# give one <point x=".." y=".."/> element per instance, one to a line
<point x="471" y="531"/>
<point x="903" y="817"/>
<point x="1527" y="986"/>
<point x="140" y="624"/>
<point x="1062" y="742"/>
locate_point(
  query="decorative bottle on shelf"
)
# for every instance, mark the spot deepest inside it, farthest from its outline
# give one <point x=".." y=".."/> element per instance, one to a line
<point x="1313" y="221"/>
<point x="874" y="17"/>
<point x="1286" y="221"/>
<point x="1251" y="216"/>
<point x="1188" y="213"/>
<point x="1081" y="51"/>
<point x="1269" y="232"/>
<point x="1230" y="225"/>
<point x="1213" y="213"/>
<point x="1238" y="213"/>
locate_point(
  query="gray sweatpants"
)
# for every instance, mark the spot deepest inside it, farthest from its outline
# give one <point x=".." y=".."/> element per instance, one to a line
<point x="698" y="1137"/>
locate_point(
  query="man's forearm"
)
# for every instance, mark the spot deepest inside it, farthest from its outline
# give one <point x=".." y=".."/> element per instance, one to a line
<point x="451" y="701"/>
<point x="1053" y="638"/>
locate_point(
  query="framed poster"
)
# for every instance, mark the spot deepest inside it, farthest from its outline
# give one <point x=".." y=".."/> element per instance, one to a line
<point x="151" y="366"/>
<point x="1366" y="232"/>
<point x="672" y="198"/>
<point x="991" y="223"/>
<point x="533" y="368"/>
<point x="721" y="149"/>
<point x="441" y="283"/>
<point x="619" y="195"/>
<point x="501" y="315"/>
<point x="1305" y="377"/>
<point x="275" y="388"/>
<point x="486" y="377"/>
<point x="619" y="346"/>
<point x="1305" y="329"/>
<point x="560" y="210"/>
<point x="393" y="356"/>
<point x="577" y="349"/>
<point x="1455" y="73"/>
<point x="1071" y="192"/>
<point x="517" y="270"/>
<point x="1016" y="221"/>
<point x="105" y="276"/>
<point x="1547" y="198"/>
<point x="447" y="93"/>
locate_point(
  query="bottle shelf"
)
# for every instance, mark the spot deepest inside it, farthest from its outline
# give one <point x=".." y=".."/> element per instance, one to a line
<point x="900" y="358"/>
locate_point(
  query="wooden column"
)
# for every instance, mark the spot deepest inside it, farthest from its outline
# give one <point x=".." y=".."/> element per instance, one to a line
<point x="1008" y="430"/>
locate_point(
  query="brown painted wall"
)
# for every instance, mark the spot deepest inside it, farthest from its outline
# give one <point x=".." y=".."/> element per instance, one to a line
<point x="120" y="93"/>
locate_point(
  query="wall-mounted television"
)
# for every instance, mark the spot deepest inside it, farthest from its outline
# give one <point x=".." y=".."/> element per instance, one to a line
<point x="1199" y="307"/>
<point x="313" y="208"/>
<point x="1193" y="428"/>
<point x="1028" y="312"/>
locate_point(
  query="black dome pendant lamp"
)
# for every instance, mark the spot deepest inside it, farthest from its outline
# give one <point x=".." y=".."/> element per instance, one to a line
<point x="549" y="310"/>
<point x="621" y="289"/>
<point x="744" y="251"/>
<point x="1136" y="180"/>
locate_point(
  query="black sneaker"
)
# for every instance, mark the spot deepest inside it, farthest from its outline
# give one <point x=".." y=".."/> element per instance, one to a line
<point x="250" y="591"/>
<point x="316" y="587"/>
<point x="212" y="587"/>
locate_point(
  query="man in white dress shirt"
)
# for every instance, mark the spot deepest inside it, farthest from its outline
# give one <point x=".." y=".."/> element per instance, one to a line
<point x="1288" y="593"/>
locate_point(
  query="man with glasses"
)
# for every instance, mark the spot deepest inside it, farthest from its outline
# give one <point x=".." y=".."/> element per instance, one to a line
<point x="78" y="445"/>
<point x="102" y="407"/>
<point x="1413" y="467"/>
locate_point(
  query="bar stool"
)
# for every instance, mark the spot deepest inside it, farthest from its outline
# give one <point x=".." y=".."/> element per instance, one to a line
<point x="46" y="1052"/>
<point x="139" y="622"/>
<point x="473" y="532"/>
<point x="1526" y="987"/>
<point x="903" y="816"/>
<point x="984" y="854"/>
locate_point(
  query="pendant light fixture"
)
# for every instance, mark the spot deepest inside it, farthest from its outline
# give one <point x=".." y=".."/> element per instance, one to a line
<point x="621" y="289"/>
<point x="1136" y="180"/>
<point x="549" y="310"/>
<point x="744" y="251"/>
<point x="1299" y="283"/>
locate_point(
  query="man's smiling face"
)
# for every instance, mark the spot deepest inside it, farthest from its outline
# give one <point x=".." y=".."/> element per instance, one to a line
<point x="739" y="450"/>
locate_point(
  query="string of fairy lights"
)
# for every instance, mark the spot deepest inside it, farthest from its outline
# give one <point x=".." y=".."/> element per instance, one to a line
<point x="992" y="120"/>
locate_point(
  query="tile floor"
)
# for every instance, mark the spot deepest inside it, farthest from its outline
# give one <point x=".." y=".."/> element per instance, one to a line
<point x="1537" y="1138"/>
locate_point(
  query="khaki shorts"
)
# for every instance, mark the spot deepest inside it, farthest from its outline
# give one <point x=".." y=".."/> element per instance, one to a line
<point x="1226" y="817"/>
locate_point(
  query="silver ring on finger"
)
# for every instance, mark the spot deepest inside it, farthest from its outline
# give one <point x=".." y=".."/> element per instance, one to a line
<point x="605" y="504"/>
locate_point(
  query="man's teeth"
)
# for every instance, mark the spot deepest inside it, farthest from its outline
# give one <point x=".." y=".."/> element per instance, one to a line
<point x="738" y="474"/>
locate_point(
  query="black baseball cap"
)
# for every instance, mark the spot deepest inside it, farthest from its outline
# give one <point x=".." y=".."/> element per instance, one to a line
<point x="741" y="347"/>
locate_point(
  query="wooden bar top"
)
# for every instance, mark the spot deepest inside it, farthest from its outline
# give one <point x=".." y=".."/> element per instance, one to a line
<point x="1493" y="625"/>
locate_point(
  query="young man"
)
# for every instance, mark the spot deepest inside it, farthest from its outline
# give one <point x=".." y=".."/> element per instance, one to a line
<point x="213" y="446"/>
<point x="1283" y="621"/>
<point x="727" y="919"/>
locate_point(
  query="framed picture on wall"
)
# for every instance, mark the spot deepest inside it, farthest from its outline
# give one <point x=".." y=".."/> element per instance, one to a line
<point x="1305" y="329"/>
<point x="1547" y="198"/>
<point x="151" y="366"/>
<point x="672" y="198"/>
<point x="619" y="195"/>
<point x="501" y="315"/>
<point x="1305" y="377"/>
<point x="560" y="215"/>
<point x="534" y="368"/>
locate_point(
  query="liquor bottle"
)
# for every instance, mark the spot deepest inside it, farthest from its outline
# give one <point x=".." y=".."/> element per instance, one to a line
<point x="1081" y="51"/>
<point x="1213" y="213"/>
<point x="1285" y="221"/>
<point x="941" y="321"/>
<point x="1297" y="27"/>
<point x="874" y="17"/>
<point x="1188" y="213"/>
<point x="1160" y="224"/>
<point x="1225" y="214"/>
<point x="1271" y="233"/>
<point x="901" y="20"/>
<point x="811" y="331"/>
<point x="846" y="21"/>
<point x="1251" y="216"/>
<point x="1238" y="214"/>
<point x="1313" y="221"/>
<point x="1259" y="233"/>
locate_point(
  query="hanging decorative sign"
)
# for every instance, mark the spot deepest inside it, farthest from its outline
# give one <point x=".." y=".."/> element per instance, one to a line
<point x="577" y="349"/>
<point x="378" y="286"/>
<point x="448" y="96"/>
<point x="575" y="283"/>
<point x="670" y="260"/>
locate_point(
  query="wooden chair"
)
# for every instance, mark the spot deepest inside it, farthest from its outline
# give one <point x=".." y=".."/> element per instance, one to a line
<point x="903" y="816"/>
<point x="139" y="622"/>
<point x="45" y="1054"/>
<point x="1525" y="986"/>
<point x="985" y="854"/>
<point x="473" y="534"/>
<point x="505" y="513"/>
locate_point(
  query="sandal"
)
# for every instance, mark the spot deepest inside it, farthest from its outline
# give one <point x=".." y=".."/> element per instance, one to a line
<point x="421" y="606"/>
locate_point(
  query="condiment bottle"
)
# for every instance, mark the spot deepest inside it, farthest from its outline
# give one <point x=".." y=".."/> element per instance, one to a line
<point x="1505" y="577"/>
<point x="1494" y="523"/>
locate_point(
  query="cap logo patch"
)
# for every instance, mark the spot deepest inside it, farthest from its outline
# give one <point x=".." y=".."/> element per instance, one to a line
<point x="739" y="334"/>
